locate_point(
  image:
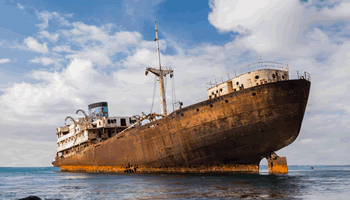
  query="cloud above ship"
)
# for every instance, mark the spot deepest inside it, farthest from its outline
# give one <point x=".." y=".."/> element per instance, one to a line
<point x="79" y="63"/>
<point x="303" y="33"/>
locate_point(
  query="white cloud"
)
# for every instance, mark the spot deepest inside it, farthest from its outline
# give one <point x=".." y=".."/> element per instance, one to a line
<point x="278" y="30"/>
<point x="271" y="26"/>
<point x="339" y="10"/>
<point x="45" y="61"/>
<point x="20" y="6"/>
<point x="4" y="60"/>
<point x="28" y="153"/>
<point x="62" y="48"/>
<point x="46" y="16"/>
<point x="33" y="45"/>
<point x="51" y="37"/>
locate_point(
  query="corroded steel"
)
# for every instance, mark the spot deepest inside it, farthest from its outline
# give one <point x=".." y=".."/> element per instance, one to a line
<point x="277" y="165"/>
<point x="237" y="129"/>
<point x="145" y="169"/>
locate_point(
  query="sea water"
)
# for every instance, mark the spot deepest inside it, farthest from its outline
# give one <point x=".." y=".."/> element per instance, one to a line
<point x="302" y="182"/>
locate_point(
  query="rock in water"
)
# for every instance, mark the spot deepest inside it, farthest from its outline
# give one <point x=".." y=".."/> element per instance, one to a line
<point x="31" y="198"/>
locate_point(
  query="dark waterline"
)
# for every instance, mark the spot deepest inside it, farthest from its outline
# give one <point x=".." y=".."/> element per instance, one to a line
<point x="302" y="182"/>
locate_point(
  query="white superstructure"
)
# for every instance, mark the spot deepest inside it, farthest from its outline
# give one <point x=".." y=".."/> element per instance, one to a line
<point x="84" y="131"/>
<point x="248" y="80"/>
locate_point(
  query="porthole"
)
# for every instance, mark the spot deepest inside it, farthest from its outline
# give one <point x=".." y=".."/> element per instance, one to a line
<point x="212" y="93"/>
<point x="226" y="101"/>
<point x="237" y="83"/>
<point x="256" y="77"/>
<point x="211" y="105"/>
<point x="254" y="94"/>
<point x="234" y="90"/>
<point x="197" y="109"/>
<point x="273" y="76"/>
<point x="282" y="77"/>
<point x="220" y="89"/>
<point x="182" y="114"/>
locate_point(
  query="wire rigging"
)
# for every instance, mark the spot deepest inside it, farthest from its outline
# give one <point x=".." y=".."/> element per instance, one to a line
<point x="173" y="94"/>
<point x="165" y="86"/>
<point x="154" y="92"/>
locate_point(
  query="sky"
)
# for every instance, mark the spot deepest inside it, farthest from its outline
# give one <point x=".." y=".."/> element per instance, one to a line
<point x="59" y="56"/>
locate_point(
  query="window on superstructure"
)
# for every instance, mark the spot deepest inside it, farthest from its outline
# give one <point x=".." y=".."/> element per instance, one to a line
<point x="237" y="83"/>
<point x="122" y="122"/>
<point x="109" y="121"/>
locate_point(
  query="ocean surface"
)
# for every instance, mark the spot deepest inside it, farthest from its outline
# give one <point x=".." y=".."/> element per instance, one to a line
<point x="302" y="182"/>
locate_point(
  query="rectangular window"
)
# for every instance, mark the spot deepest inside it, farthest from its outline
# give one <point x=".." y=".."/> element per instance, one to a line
<point x="122" y="122"/>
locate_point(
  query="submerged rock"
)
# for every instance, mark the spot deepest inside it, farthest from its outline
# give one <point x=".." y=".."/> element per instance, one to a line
<point x="31" y="198"/>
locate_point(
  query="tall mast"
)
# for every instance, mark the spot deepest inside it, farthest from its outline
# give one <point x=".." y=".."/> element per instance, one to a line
<point x="160" y="73"/>
<point x="161" y="80"/>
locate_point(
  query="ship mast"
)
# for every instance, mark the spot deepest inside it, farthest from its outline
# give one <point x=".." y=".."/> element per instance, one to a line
<point x="160" y="73"/>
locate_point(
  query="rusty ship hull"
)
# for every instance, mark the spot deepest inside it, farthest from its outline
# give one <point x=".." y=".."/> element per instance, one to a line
<point x="230" y="133"/>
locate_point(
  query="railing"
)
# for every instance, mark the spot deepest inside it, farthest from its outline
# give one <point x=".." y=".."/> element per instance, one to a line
<point x="249" y="68"/>
<point x="304" y="75"/>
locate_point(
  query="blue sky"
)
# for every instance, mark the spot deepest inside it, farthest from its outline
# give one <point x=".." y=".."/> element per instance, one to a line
<point x="58" y="56"/>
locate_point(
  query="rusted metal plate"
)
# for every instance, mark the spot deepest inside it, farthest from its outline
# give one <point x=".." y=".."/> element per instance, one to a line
<point x="253" y="169"/>
<point x="239" y="128"/>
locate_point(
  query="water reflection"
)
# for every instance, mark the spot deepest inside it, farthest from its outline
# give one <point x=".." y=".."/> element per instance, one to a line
<point x="299" y="183"/>
<point x="232" y="186"/>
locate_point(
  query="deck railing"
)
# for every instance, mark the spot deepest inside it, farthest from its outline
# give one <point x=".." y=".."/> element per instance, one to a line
<point x="249" y="68"/>
<point x="304" y="75"/>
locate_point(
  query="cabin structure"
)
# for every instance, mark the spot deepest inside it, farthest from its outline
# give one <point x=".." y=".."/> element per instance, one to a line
<point x="248" y="80"/>
<point x="87" y="131"/>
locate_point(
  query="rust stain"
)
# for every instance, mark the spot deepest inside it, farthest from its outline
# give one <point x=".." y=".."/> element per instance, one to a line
<point x="252" y="169"/>
<point x="277" y="165"/>
<point x="231" y="129"/>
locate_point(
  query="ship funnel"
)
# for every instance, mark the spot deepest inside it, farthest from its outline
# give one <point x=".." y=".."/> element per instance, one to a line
<point x="100" y="108"/>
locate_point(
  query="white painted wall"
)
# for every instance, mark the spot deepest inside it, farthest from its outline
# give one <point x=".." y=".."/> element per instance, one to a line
<point x="248" y="80"/>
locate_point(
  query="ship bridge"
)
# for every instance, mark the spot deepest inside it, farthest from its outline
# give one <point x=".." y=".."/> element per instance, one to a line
<point x="86" y="131"/>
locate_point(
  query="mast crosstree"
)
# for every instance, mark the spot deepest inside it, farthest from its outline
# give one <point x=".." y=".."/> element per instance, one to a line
<point x="160" y="74"/>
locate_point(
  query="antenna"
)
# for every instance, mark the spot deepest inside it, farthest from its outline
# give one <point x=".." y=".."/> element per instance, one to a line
<point x="160" y="73"/>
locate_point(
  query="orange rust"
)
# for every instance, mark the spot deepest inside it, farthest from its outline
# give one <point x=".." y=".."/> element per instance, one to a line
<point x="237" y="129"/>
<point x="278" y="165"/>
<point x="93" y="169"/>
<point x="253" y="169"/>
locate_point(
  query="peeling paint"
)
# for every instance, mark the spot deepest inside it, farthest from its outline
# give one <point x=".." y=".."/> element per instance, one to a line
<point x="236" y="129"/>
